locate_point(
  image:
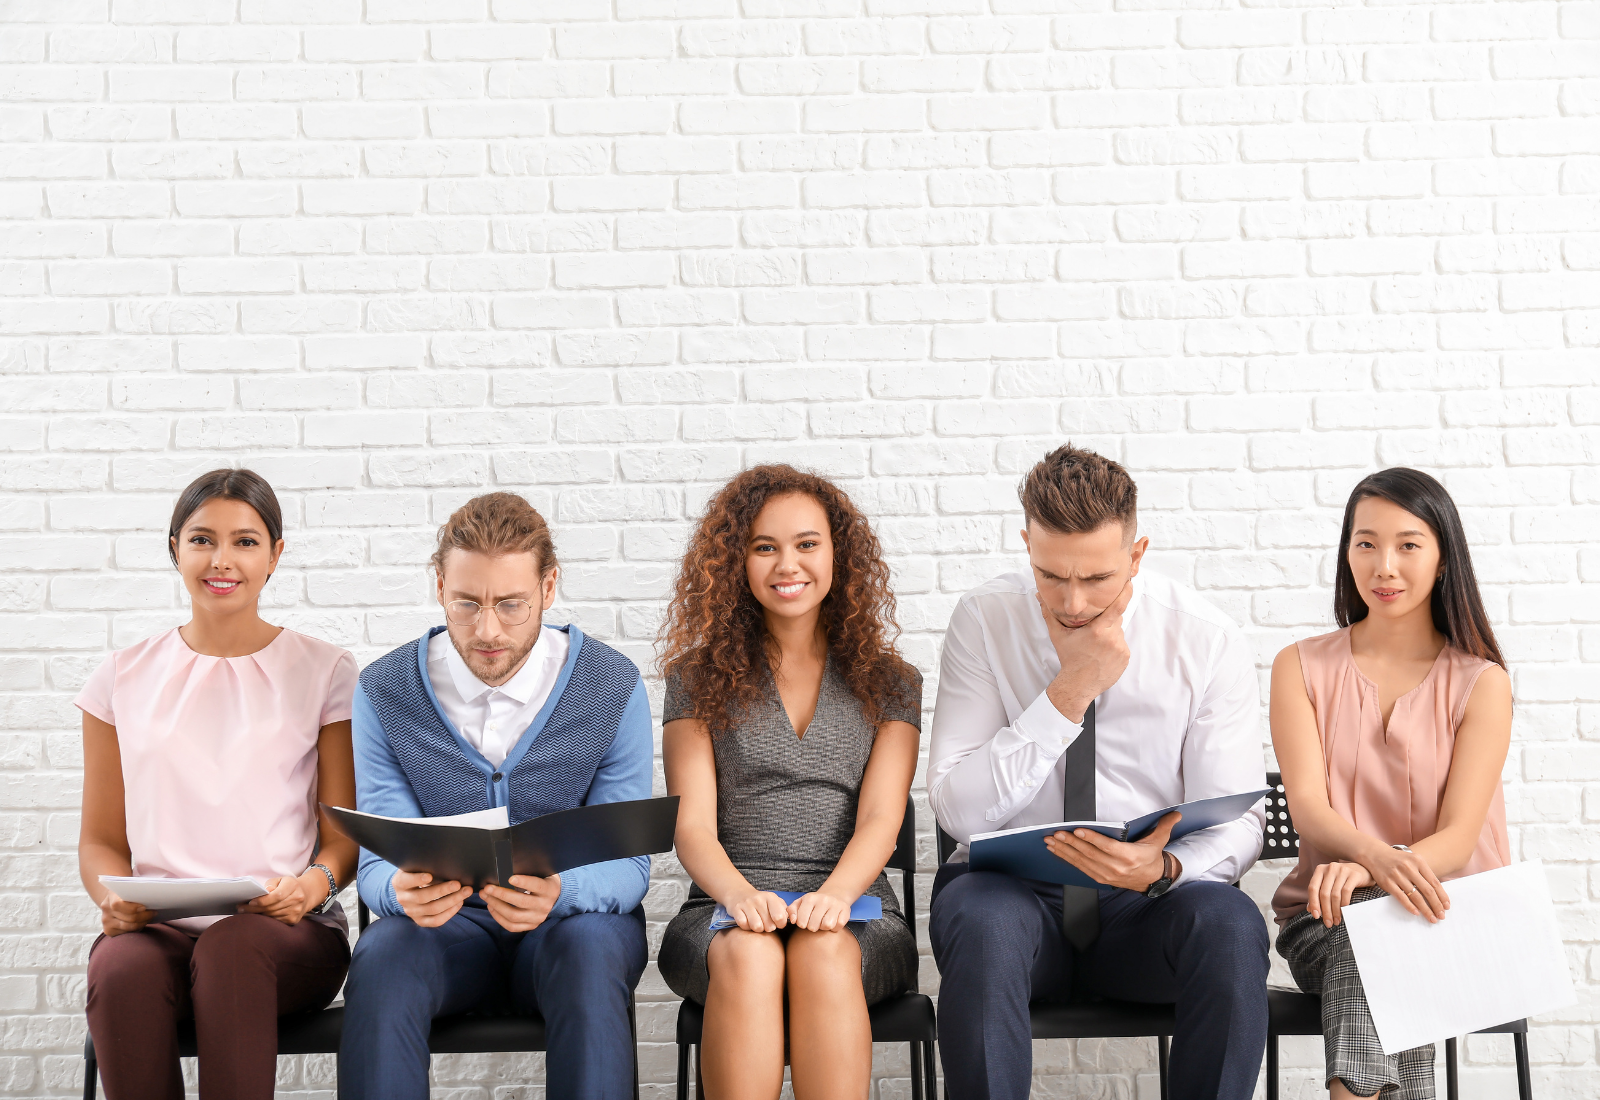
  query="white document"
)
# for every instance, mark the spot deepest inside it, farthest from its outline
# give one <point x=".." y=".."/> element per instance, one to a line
<point x="186" y="897"/>
<point x="495" y="817"/>
<point x="1496" y="957"/>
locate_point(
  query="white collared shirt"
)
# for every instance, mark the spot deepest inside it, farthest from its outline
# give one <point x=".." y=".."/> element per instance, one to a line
<point x="1182" y="723"/>
<point x="493" y="719"/>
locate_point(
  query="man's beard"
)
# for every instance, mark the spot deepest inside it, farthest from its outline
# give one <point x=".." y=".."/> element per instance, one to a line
<point x="498" y="670"/>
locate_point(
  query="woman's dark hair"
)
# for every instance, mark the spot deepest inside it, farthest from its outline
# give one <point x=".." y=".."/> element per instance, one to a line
<point x="1457" y="606"/>
<point x="245" y="486"/>
<point x="715" y="636"/>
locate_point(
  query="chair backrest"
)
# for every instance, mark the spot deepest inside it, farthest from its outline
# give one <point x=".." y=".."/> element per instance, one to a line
<point x="904" y="860"/>
<point x="1281" y="842"/>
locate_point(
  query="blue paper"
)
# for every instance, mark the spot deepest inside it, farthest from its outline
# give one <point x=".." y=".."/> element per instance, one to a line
<point x="865" y="908"/>
<point x="1021" y="852"/>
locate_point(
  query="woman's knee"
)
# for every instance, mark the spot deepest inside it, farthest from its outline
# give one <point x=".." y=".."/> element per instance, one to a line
<point x="235" y="945"/>
<point x="741" y="960"/>
<point x="824" y="960"/>
<point x="829" y="949"/>
<point x="132" y="964"/>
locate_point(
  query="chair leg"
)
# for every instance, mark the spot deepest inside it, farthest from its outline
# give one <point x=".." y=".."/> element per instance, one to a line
<point x="1452" y="1087"/>
<point x="931" y="1076"/>
<point x="91" y="1070"/>
<point x="683" y="1072"/>
<point x="1161" y="1060"/>
<point x="915" y="1050"/>
<point x="1519" y="1042"/>
<point x="1272" y="1067"/>
<point x="699" y="1080"/>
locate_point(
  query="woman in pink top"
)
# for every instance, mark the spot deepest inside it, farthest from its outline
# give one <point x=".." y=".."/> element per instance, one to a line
<point x="206" y="750"/>
<point x="1391" y="734"/>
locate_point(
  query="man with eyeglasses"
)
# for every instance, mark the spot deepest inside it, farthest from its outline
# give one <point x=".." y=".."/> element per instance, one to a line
<point x="496" y="709"/>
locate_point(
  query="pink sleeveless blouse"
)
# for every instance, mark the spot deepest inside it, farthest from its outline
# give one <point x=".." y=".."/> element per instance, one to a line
<point x="1388" y="783"/>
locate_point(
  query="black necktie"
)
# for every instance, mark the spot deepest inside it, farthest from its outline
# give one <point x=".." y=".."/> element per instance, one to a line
<point x="1080" y="905"/>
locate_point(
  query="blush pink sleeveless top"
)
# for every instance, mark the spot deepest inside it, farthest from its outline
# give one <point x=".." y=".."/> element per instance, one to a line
<point x="1388" y="783"/>
<point x="219" y="754"/>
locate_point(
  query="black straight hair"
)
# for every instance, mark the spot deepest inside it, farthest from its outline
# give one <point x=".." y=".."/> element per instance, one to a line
<point x="245" y="486"/>
<point x="1457" y="606"/>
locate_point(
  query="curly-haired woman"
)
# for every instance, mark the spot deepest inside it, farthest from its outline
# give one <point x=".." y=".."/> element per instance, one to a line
<point x="790" y="734"/>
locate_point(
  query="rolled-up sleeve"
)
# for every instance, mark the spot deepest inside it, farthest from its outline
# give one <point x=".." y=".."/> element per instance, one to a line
<point x="982" y="768"/>
<point x="1221" y="756"/>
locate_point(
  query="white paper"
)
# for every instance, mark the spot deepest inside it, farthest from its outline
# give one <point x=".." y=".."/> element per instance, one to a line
<point x="1496" y="957"/>
<point x="186" y="897"/>
<point x="495" y="817"/>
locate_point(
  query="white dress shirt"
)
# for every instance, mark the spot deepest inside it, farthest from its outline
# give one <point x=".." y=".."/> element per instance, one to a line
<point x="493" y="719"/>
<point x="1182" y="723"/>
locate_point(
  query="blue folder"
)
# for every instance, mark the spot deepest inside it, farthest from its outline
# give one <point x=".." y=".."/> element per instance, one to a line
<point x="1021" y="852"/>
<point x="865" y="908"/>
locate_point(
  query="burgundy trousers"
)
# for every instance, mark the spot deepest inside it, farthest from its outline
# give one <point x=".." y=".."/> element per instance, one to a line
<point x="234" y="981"/>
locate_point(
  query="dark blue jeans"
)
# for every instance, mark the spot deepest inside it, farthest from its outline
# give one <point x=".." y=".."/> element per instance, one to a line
<point x="578" y="973"/>
<point x="998" y="943"/>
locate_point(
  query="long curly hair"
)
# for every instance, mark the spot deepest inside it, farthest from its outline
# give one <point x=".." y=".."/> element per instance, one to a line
<point x="715" y="636"/>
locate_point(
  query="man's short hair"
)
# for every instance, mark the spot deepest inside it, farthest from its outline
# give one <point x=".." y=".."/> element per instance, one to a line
<point x="497" y="523"/>
<point x="1072" y="491"/>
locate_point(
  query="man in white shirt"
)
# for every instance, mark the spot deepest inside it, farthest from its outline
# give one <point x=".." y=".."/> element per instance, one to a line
<point x="1082" y="690"/>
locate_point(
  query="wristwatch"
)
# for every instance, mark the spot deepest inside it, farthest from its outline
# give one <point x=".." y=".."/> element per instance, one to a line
<point x="1164" y="883"/>
<point x="333" y="889"/>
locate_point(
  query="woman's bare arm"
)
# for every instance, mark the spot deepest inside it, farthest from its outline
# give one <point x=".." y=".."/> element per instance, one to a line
<point x="291" y="897"/>
<point x="1299" y="750"/>
<point x="879" y="812"/>
<point x="1476" y="764"/>
<point x="103" y="829"/>
<point x="691" y="769"/>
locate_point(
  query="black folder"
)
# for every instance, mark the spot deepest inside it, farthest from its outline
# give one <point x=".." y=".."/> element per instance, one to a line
<point x="541" y="846"/>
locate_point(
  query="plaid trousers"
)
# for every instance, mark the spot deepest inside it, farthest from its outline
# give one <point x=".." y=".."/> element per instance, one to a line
<point x="1322" y="962"/>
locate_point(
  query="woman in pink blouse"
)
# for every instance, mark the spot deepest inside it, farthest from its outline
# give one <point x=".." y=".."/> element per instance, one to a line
<point x="206" y="750"/>
<point x="1391" y="734"/>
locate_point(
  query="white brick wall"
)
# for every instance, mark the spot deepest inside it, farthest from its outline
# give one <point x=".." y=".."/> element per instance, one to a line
<point x="394" y="252"/>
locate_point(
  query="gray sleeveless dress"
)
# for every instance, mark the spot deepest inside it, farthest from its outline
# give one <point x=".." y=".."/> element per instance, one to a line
<point x="786" y="809"/>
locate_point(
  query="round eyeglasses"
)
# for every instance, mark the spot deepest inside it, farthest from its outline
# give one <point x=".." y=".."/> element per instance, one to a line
<point x="509" y="612"/>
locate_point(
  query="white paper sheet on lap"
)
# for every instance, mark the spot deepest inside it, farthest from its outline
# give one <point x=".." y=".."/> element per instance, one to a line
<point x="1496" y="957"/>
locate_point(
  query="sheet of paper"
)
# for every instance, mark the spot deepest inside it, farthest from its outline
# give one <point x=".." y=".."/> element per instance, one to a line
<point x="189" y="897"/>
<point x="495" y="817"/>
<point x="1496" y="957"/>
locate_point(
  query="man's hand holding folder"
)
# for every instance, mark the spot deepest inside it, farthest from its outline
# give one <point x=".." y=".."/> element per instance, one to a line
<point x="1104" y="854"/>
<point x="1128" y="864"/>
<point x="515" y="868"/>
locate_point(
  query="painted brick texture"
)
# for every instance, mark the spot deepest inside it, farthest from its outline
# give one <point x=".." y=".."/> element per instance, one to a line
<point x="392" y="253"/>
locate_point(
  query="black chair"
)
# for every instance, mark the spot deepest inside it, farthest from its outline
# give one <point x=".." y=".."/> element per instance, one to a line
<point x="319" y="1032"/>
<point x="1291" y="1012"/>
<point x="1096" y="1019"/>
<point x="907" y="1018"/>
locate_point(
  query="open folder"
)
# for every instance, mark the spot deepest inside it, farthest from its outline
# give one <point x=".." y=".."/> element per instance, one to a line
<point x="484" y="847"/>
<point x="1021" y="852"/>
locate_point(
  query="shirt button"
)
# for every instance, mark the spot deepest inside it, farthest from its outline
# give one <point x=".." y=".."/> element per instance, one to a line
<point x="1027" y="782"/>
<point x="495" y="777"/>
<point x="1066" y="740"/>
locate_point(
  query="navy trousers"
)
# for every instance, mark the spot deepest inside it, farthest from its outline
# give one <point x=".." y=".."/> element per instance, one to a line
<point x="578" y="973"/>
<point x="998" y="943"/>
